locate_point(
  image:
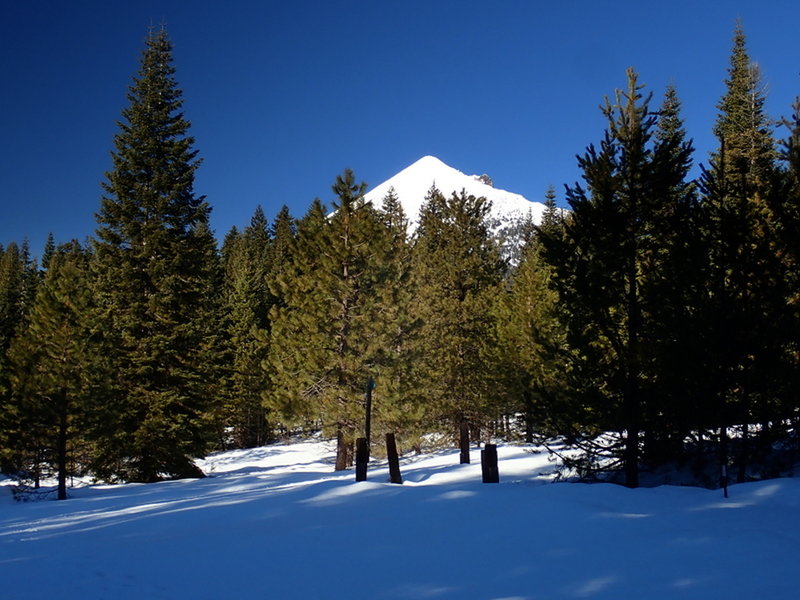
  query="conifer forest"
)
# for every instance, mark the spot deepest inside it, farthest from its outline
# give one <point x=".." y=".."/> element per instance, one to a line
<point x="652" y="322"/>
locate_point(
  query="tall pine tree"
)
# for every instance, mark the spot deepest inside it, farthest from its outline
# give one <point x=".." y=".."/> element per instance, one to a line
<point x="746" y="308"/>
<point x="328" y="336"/>
<point x="398" y="403"/>
<point x="457" y="271"/>
<point x="18" y="282"/>
<point x="157" y="278"/>
<point x="58" y="368"/>
<point x="246" y="266"/>
<point x="529" y="337"/>
<point x="603" y="264"/>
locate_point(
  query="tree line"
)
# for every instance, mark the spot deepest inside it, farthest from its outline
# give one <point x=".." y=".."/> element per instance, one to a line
<point x="654" y="322"/>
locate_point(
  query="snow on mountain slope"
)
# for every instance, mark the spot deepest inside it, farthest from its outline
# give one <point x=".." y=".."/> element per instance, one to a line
<point x="413" y="183"/>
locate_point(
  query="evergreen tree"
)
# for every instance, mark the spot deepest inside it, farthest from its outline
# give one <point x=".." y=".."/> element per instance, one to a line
<point x="282" y="232"/>
<point x="19" y="278"/>
<point x="603" y="262"/>
<point x="785" y="205"/>
<point x="328" y="335"/>
<point x="49" y="250"/>
<point x="457" y="270"/>
<point x="398" y="406"/>
<point x="746" y="280"/>
<point x="529" y="345"/>
<point x="58" y="371"/>
<point x="12" y="293"/>
<point x="157" y="279"/>
<point x="747" y="148"/>
<point x="251" y="259"/>
<point x="676" y="289"/>
<point x="245" y="263"/>
<point x="786" y="202"/>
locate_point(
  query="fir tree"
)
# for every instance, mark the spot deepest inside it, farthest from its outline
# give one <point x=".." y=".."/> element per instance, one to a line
<point x="49" y="250"/>
<point x="157" y="280"/>
<point x="603" y="262"/>
<point x="457" y="268"/>
<point x="58" y="370"/>
<point x="747" y="148"/>
<point x="12" y="293"/>
<point x="785" y="202"/>
<point x="328" y="336"/>
<point x="250" y="261"/>
<point x="675" y="289"/>
<point x="785" y="205"/>
<point x="246" y="265"/>
<point x="399" y="405"/>
<point x="19" y="278"/>
<point x="747" y="315"/>
<point x="552" y="221"/>
<point x="283" y="231"/>
<point x="529" y="345"/>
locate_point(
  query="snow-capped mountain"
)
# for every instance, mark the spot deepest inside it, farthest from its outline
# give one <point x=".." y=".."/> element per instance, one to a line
<point x="412" y="184"/>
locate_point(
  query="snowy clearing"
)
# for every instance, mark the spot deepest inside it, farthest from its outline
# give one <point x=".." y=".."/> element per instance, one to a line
<point x="276" y="522"/>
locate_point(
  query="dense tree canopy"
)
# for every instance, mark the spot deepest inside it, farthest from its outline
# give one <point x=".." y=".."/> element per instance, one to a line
<point x="651" y="323"/>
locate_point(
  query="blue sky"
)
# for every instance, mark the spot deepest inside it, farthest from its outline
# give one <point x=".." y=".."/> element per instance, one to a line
<point x="283" y="96"/>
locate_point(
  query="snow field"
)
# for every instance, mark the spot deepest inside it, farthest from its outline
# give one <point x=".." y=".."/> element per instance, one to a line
<point x="277" y="522"/>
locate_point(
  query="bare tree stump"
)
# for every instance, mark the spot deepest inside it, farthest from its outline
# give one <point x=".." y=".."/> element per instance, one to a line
<point x="362" y="458"/>
<point x="491" y="474"/>
<point x="464" y="442"/>
<point x="394" y="459"/>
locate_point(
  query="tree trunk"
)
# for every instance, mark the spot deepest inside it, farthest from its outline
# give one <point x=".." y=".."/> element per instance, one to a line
<point x="744" y="451"/>
<point x="362" y="459"/>
<point x="464" y="443"/>
<point x="489" y="469"/>
<point x="394" y="459"/>
<point x="723" y="459"/>
<point x="344" y="449"/>
<point x="527" y="398"/>
<point x="62" y="449"/>
<point x="631" y="394"/>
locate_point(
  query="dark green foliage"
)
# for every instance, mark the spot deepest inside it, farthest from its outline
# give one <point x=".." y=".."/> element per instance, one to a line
<point x="49" y="250"/>
<point x="785" y="202"/>
<point x="329" y="335"/>
<point x="13" y="269"/>
<point x="612" y="249"/>
<point x="747" y="314"/>
<point x="58" y="370"/>
<point x="457" y="271"/>
<point x="252" y="260"/>
<point x="675" y="286"/>
<point x="747" y="149"/>
<point x="528" y="352"/>
<point x="398" y="404"/>
<point x="157" y="277"/>
<point x="18" y="282"/>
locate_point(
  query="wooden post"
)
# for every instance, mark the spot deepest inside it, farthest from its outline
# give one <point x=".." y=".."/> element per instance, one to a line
<point x="394" y="459"/>
<point x="368" y="411"/>
<point x="723" y="451"/>
<point x="362" y="458"/>
<point x="62" y="447"/>
<point x="464" y="442"/>
<point x="491" y="474"/>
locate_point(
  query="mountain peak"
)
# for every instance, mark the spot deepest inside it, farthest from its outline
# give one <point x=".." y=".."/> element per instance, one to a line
<point x="413" y="183"/>
<point x="428" y="162"/>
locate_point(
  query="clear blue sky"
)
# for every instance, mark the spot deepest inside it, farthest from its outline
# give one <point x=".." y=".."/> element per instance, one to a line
<point x="283" y="95"/>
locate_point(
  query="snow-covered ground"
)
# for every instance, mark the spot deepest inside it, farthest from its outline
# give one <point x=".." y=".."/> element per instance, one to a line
<point x="277" y="523"/>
